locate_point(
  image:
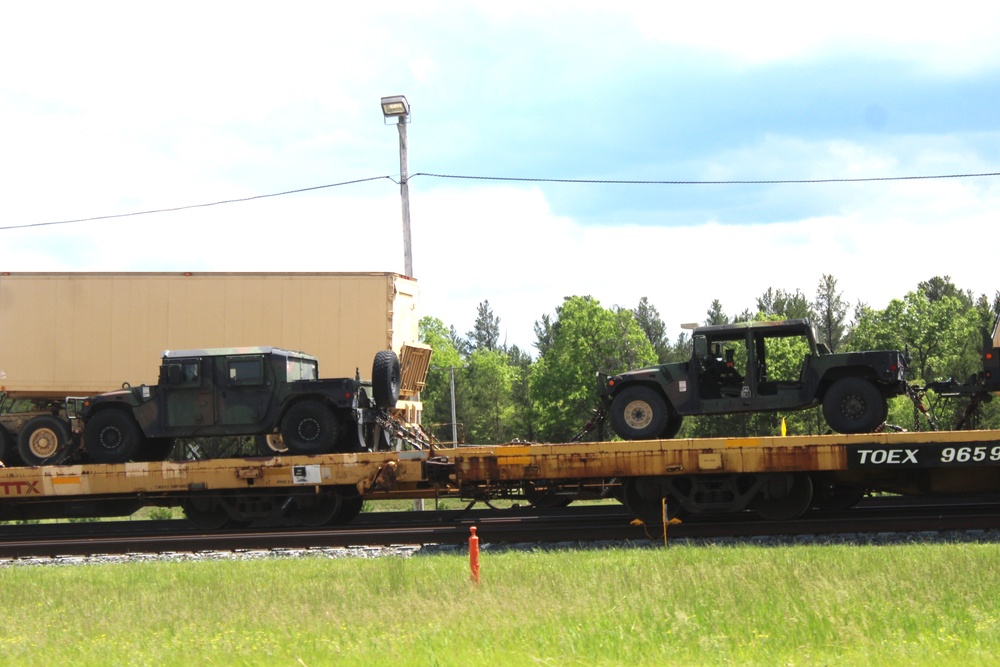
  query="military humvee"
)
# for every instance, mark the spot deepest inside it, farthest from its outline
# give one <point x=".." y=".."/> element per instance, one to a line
<point x="755" y="367"/>
<point x="264" y="391"/>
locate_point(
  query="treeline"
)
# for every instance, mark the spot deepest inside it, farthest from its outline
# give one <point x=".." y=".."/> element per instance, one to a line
<point x="485" y="392"/>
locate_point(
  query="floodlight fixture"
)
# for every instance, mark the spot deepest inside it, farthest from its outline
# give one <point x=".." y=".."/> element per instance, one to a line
<point x="396" y="106"/>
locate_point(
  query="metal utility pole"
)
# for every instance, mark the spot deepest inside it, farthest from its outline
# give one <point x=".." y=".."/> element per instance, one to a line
<point x="397" y="107"/>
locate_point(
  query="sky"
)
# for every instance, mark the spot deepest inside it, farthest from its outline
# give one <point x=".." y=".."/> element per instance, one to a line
<point x="112" y="108"/>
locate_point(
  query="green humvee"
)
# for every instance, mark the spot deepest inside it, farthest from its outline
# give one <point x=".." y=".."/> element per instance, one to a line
<point x="264" y="391"/>
<point x="755" y="367"/>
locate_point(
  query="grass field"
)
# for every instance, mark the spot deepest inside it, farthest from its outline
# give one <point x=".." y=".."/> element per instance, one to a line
<point x="831" y="605"/>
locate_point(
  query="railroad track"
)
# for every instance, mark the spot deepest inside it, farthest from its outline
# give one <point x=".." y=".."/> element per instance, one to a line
<point x="577" y="525"/>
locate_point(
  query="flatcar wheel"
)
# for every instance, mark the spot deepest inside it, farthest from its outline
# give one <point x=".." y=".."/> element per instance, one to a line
<point x="205" y="514"/>
<point x="784" y="497"/>
<point x="832" y="497"/>
<point x="350" y="508"/>
<point x="317" y="509"/>
<point x="545" y="497"/>
<point x="644" y="498"/>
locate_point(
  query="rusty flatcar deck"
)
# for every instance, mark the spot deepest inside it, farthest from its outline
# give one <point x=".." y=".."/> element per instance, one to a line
<point x="425" y="474"/>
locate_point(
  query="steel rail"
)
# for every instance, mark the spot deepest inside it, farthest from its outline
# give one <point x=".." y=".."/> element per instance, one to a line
<point x="575" y="525"/>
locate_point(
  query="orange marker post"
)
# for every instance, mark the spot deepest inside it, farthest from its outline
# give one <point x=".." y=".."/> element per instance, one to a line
<point x="474" y="555"/>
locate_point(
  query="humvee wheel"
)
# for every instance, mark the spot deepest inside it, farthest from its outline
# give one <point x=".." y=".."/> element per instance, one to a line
<point x="673" y="427"/>
<point x="155" y="449"/>
<point x="784" y="497"/>
<point x="639" y="413"/>
<point x="44" y="440"/>
<point x="854" y="405"/>
<point x="385" y="379"/>
<point x="8" y="448"/>
<point x="310" y="427"/>
<point x="269" y="444"/>
<point x="112" y="436"/>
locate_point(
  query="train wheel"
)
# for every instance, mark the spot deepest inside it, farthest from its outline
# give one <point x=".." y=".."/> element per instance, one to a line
<point x="44" y="440"/>
<point x="545" y="498"/>
<point x="644" y="496"/>
<point x="317" y="509"/>
<point x="205" y="514"/>
<point x="112" y="436"/>
<point x="829" y="496"/>
<point x="350" y="508"/>
<point x="310" y="427"/>
<point x="784" y="497"/>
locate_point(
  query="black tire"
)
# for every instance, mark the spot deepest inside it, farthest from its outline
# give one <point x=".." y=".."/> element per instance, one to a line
<point x="44" y="440"/>
<point x="854" y="405"/>
<point x="674" y="423"/>
<point x="8" y="448"/>
<point x="385" y="379"/>
<point x="112" y="436"/>
<point x="354" y="439"/>
<point x="155" y="449"/>
<point x="639" y="413"/>
<point x="310" y="427"/>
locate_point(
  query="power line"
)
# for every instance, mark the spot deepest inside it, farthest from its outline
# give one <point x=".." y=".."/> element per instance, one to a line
<point x="517" y="179"/>
<point x="754" y="182"/>
<point x="184" y="208"/>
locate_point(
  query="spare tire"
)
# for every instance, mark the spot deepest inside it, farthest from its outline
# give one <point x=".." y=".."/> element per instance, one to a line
<point x="385" y="379"/>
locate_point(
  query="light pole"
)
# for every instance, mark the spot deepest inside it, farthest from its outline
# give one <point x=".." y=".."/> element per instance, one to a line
<point x="454" y="417"/>
<point x="397" y="107"/>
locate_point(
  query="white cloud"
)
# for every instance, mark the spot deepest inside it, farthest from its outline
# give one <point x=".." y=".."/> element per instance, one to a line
<point x="505" y="245"/>
<point x="959" y="37"/>
<point x="120" y="107"/>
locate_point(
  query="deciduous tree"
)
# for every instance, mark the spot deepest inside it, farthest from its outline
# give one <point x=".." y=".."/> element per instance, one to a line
<point x="585" y="338"/>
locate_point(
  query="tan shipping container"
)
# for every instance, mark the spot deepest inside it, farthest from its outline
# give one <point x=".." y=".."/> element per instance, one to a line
<point x="85" y="333"/>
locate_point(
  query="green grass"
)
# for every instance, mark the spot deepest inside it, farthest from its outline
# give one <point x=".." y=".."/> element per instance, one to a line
<point x="843" y="605"/>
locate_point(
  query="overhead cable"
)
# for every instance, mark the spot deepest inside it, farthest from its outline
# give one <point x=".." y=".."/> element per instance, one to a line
<point x="517" y="179"/>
